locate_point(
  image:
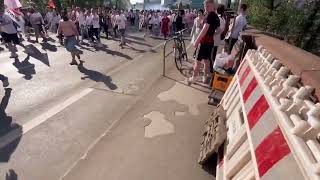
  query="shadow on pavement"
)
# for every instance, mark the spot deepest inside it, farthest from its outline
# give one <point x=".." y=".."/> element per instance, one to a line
<point x="25" y="67"/>
<point x="113" y="53"/>
<point x="210" y="165"/>
<point x="82" y="46"/>
<point x="11" y="175"/>
<point x="138" y="42"/>
<point x="34" y="52"/>
<point x="96" y="76"/>
<point x="49" y="47"/>
<point x="10" y="133"/>
<point x="136" y="38"/>
<point x="135" y="49"/>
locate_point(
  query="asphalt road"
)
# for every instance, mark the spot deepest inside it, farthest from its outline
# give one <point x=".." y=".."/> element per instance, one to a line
<point x="52" y="113"/>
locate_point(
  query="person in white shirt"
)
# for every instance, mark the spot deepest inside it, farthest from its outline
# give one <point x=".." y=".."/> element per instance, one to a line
<point x="121" y="22"/>
<point x="114" y="24"/>
<point x="81" y="18"/>
<point x="54" y="22"/>
<point x="156" y="25"/>
<point x="240" y="24"/>
<point x="9" y="33"/>
<point x="218" y="39"/>
<point x="89" y="24"/>
<point x="95" y="28"/>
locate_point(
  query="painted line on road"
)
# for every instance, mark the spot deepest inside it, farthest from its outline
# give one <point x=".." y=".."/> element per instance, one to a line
<point x="17" y="133"/>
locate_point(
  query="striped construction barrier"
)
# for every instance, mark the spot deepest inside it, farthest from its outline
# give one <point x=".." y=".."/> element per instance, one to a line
<point x="273" y="126"/>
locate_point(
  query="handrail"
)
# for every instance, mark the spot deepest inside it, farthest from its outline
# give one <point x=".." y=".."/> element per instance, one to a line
<point x="164" y="56"/>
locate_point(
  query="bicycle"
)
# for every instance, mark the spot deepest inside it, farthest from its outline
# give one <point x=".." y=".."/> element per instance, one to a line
<point x="179" y="50"/>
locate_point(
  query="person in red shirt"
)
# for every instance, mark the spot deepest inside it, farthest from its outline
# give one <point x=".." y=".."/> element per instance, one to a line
<point x="165" y="25"/>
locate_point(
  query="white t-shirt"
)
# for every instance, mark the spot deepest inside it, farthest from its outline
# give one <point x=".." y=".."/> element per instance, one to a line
<point x="156" y="21"/>
<point x="81" y="19"/>
<point x="6" y="25"/>
<point x="95" y="21"/>
<point x="240" y="24"/>
<point x="121" y="21"/>
<point x="89" y="20"/>
<point x="217" y="37"/>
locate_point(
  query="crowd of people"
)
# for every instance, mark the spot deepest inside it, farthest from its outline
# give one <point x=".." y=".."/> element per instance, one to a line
<point x="77" y="25"/>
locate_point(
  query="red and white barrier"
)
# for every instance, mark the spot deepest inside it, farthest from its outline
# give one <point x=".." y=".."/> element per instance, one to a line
<point x="272" y="126"/>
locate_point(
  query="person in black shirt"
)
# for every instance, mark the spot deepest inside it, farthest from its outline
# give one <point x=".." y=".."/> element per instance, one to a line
<point x="205" y="42"/>
<point x="179" y="20"/>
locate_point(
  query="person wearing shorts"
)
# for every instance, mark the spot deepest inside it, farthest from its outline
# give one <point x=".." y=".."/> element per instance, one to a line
<point x="37" y="22"/>
<point x="205" y="42"/>
<point x="69" y="31"/>
<point x="9" y="33"/>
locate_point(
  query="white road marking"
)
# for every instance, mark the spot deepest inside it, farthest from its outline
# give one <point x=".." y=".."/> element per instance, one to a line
<point x="17" y="133"/>
<point x="13" y="135"/>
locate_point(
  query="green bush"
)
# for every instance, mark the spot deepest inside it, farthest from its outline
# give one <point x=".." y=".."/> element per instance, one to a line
<point x="298" y="25"/>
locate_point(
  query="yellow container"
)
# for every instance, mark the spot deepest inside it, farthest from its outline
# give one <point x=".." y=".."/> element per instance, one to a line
<point x="221" y="82"/>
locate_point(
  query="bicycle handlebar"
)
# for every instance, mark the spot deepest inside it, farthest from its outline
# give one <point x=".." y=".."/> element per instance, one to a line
<point x="181" y="32"/>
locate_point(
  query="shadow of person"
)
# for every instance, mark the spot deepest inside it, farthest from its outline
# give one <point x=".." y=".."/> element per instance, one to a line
<point x="96" y="76"/>
<point x="135" y="49"/>
<point x="5" y="80"/>
<point x="25" y="67"/>
<point x="130" y="41"/>
<point x="136" y="38"/>
<point x="11" y="175"/>
<point x="49" y="47"/>
<point x="10" y="133"/>
<point x="34" y="52"/>
<point x="5" y="120"/>
<point x="1" y="49"/>
<point x="113" y="53"/>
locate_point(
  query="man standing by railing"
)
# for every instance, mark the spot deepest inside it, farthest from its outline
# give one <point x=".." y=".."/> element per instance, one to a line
<point x="205" y="42"/>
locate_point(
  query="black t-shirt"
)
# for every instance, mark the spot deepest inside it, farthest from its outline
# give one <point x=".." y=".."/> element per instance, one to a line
<point x="213" y="20"/>
<point x="179" y="23"/>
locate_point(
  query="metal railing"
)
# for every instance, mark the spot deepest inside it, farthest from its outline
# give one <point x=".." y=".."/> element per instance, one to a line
<point x="164" y="56"/>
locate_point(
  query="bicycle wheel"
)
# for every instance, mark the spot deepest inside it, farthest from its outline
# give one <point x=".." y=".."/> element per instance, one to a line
<point x="178" y="57"/>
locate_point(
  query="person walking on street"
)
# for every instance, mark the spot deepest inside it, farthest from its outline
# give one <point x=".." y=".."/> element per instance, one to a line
<point x="54" y="22"/>
<point x="37" y="23"/>
<point x="114" y="23"/>
<point x="165" y="26"/>
<point x="121" y="22"/>
<point x="96" y="28"/>
<point x="205" y="42"/>
<point x="69" y="31"/>
<point x="81" y="18"/>
<point x="9" y="33"/>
